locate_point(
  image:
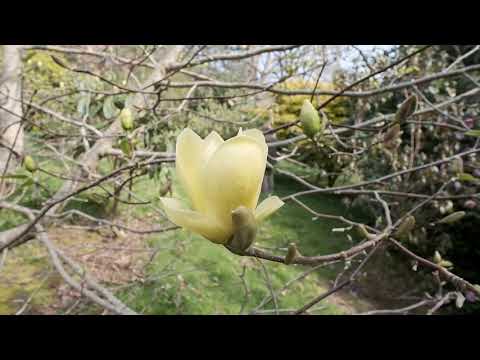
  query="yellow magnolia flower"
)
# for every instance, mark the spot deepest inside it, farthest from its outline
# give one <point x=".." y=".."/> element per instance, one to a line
<point x="220" y="177"/>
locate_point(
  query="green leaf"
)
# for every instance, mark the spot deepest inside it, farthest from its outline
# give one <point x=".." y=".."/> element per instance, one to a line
<point x="475" y="133"/>
<point x="126" y="147"/>
<point x="446" y="264"/>
<point x="452" y="218"/>
<point x="28" y="182"/>
<point x="468" y="177"/>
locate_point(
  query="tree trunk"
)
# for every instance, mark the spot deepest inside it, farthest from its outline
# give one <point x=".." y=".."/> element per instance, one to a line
<point x="11" y="127"/>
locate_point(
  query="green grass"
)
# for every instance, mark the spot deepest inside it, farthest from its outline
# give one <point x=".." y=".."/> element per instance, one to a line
<point x="191" y="275"/>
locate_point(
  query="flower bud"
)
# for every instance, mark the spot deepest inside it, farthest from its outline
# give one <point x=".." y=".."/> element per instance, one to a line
<point x="244" y="229"/>
<point x="437" y="258"/>
<point x="126" y="118"/>
<point x="310" y="119"/>
<point x="30" y="164"/>
<point x="391" y="136"/>
<point x="450" y="219"/>
<point x="406" y="109"/>
<point x="292" y="253"/>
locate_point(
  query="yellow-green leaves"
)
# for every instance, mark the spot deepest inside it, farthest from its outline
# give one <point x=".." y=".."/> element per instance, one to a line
<point x="223" y="182"/>
<point x="362" y="232"/>
<point x="311" y="122"/>
<point x="30" y="164"/>
<point x="407" y="225"/>
<point x="474" y="132"/>
<point x="468" y="177"/>
<point x="126" y="119"/>
<point x="437" y="259"/>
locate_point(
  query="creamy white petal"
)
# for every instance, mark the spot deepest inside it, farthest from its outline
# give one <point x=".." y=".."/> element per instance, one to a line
<point x="212" y="142"/>
<point x="233" y="176"/>
<point x="267" y="207"/>
<point x="258" y="136"/>
<point x="255" y="134"/>
<point x="198" y="223"/>
<point x="189" y="150"/>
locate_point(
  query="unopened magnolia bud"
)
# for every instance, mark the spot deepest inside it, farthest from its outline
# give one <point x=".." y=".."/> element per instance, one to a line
<point x="391" y="135"/>
<point x="30" y="164"/>
<point x="407" y="225"/>
<point x="126" y="118"/>
<point x="406" y="109"/>
<point x="437" y="258"/>
<point x="450" y="219"/>
<point x="292" y="253"/>
<point x="244" y="229"/>
<point x="310" y="119"/>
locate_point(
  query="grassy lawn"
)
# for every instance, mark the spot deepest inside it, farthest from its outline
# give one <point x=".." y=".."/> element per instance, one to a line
<point x="190" y="275"/>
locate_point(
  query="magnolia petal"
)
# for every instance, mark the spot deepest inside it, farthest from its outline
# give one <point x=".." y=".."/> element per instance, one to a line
<point x="267" y="207"/>
<point x="211" y="144"/>
<point x="233" y="176"/>
<point x="189" y="150"/>
<point x="255" y="134"/>
<point x="258" y="136"/>
<point x="194" y="221"/>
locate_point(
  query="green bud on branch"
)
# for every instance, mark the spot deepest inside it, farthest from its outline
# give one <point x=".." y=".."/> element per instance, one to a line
<point x="292" y="253"/>
<point x="244" y="229"/>
<point x="126" y="118"/>
<point x="30" y="164"/>
<point x="450" y="219"/>
<point x="406" y="109"/>
<point x="311" y="122"/>
<point x="391" y="136"/>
